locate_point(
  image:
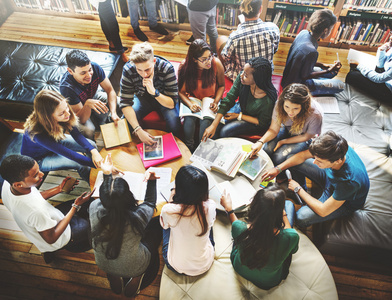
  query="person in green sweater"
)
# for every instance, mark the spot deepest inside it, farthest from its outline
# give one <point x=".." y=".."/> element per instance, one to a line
<point x="257" y="97"/>
<point x="263" y="246"/>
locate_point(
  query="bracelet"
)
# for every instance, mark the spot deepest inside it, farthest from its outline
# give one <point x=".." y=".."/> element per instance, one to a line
<point x="279" y="169"/>
<point x="285" y="215"/>
<point x="230" y="212"/>
<point x="239" y="118"/>
<point x="77" y="207"/>
<point x="136" y="129"/>
<point x="260" y="141"/>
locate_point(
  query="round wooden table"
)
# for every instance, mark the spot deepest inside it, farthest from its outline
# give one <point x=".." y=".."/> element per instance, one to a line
<point x="126" y="157"/>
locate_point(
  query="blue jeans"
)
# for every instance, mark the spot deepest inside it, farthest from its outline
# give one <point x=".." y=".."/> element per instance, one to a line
<point x="203" y="22"/>
<point x="56" y="161"/>
<point x="165" y="246"/>
<point x="146" y="104"/>
<point x="109" y="24"/>
<point x="305" y="215"/>
<point x="189" y="132"/>
<point x="281" y="154"/>
<point x="326" y="85"/>
<point x="150" y="6"/>
<point x="236" y="128"/>
<point x="290" y="211"/>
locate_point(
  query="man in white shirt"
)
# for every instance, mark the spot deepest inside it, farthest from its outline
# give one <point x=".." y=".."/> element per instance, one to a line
<point x="46" y="226"/>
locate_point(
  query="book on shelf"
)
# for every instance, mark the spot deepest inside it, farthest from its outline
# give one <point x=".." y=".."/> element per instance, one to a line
<point x="224" y="159"/>
<point x="170" y="151"/>
<point x="205" y="112"/>
<point x="136" y="182"/>
<point x="115" y="135"/>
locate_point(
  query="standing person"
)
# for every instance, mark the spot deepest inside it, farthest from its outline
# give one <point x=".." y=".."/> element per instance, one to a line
<point x="263" y="246"/>
<point x="295" y="121"/>
<point x="378" y="82"/>
<point x="257" y="97"/>
<point x="110" y="27"/>
<point x="53" y="139"/>
<point x="49" y="228"/>
<point x="202" y="18"/>
<point x="125" y="238"/>
<point x="302" y="65"/>
<point x="253" y="38"/>
<point x="188" y="246"/>
<point x="151" y="9"/>
<point x="149" y="83"/>
<point x="334" y="166"/>
<point x="80" y="85"/>
<point x="209" y="82"/>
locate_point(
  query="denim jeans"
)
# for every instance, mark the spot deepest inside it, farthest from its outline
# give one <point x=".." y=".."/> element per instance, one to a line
<point x="109" y="24"/>
<point x="236" y="128"/>
<point x="281" y="154"/>
<point x="189" y="132"/>
<point x="290" y="211"/>
<point x="146" y="104"/>
<point x="326" y="85"/>
<point x="56" y="161"/>
<point x="203" y="22"/>
<point x="150" y="6"/>
<point x="305" y="215"/>
<point x="165" y="246"/>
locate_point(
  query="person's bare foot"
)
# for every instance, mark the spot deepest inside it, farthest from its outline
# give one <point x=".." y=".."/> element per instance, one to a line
<point x="124" y="57"/>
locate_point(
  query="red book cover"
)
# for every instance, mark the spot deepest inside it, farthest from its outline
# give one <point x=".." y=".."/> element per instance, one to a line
<point x="170" y="151"/>
<point x="301" y="25"/>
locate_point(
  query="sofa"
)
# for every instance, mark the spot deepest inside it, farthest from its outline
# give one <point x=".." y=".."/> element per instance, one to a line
<point x="309" y="277"/>
<point x="25" y="69"/>
<point x="366" y="235"/>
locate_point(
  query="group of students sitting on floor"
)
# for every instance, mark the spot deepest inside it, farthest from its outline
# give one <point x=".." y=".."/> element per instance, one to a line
<point x="124" y="235"/>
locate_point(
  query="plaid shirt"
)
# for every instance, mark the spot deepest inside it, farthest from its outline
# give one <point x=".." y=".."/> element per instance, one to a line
<point x="251" y="39"/>
<point x="165" y="81"/>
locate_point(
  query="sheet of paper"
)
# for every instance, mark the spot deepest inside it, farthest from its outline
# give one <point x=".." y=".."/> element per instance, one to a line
<point x="164" y="175"/>
<point x="363" y="58"/>
<point x="329" y="105"/>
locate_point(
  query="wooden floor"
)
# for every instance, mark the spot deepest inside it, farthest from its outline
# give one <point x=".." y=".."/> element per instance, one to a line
<point x="24" y="274"/>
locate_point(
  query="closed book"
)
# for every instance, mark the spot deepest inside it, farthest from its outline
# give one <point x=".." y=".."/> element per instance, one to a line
<point x="301" y="25"/>
<point x="170" y="150"/>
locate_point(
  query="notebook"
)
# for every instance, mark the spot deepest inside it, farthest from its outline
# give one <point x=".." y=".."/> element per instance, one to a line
<point x="170" y="151"/>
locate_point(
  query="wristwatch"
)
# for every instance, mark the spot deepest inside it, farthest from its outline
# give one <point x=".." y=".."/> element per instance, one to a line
<point x="239" y="118"/>
<point x="296" y="190"/>
<point x="157" y="93"/>
<point x="77" y="207"/>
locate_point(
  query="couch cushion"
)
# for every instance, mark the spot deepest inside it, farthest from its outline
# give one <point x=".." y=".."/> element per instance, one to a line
<point x="309" y="277"/>
<point x="25" y="69"/>
<point x="367" y="126"/>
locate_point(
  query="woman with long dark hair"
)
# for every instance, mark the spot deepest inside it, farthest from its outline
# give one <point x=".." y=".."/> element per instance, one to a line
<point x="125" y="238"/>
<point x="188" y="246"/>
<point x="296" y="119"/>
<point x="200" y="75"/>
<point x="264" y="244"/>
<point x="257" y="97"/>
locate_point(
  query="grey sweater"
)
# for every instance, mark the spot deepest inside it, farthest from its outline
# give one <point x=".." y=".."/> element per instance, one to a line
<point x="134" y="257"/>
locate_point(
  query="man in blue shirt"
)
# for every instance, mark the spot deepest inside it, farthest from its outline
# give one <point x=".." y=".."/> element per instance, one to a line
<point x="333" y="165"/>
<point x="80" y="86"/>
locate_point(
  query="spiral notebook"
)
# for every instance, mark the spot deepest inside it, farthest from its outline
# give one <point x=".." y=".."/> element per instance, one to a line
<point x="170" y="151"/>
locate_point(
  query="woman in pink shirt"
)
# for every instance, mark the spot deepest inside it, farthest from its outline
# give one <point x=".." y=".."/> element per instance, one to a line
<point x="188" y="246"/>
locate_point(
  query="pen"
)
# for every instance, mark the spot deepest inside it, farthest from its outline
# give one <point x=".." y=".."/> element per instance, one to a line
<point x="337" y="55"/>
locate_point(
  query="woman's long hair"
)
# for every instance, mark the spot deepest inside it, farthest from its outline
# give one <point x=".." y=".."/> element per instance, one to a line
<point x="191" y="192"/>
<point x="187" y="73"/>
<point x="262" y="76"/>
<point x="296" y="93"/>
<point x="119" y="204"/>
<point x="41" y="119"/>
<point x="265" y="218"/>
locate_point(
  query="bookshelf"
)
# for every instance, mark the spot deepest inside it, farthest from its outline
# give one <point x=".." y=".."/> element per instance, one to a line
<point x="363" y="24"/>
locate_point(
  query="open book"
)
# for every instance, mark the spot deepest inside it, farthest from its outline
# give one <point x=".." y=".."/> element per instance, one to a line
<point x="214" y="156"/>
<point x="205" y="112"/>
<point x="115" y="136"/>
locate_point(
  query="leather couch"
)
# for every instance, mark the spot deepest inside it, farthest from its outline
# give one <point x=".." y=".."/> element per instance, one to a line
<point x="25" y="69"/>
<point x="365" y="235"/>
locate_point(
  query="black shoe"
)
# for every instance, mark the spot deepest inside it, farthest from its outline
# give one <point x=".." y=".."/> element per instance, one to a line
<point x="116" y="283"/>
<point x="159" y="29"/>
<point x="140" y="34"/>
<point x="132" y="287"/>
<point x="48" y="257"/>
<point x="190" y="40"/>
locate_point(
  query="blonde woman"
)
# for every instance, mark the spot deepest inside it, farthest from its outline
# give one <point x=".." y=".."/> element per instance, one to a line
<point x="52" y="137"/>
<point x="296" y="119"/>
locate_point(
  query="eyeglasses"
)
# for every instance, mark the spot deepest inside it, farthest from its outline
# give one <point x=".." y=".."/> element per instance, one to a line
<point x="206" y="59"/>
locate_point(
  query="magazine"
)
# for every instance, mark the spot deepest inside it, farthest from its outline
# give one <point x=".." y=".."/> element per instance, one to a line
<point x="154" y="151"/>
<point x="205" y="112"/>
<point x="252" y="167"/>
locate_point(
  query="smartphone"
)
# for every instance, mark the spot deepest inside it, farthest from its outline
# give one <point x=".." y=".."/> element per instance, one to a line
<point x="67" y="188"/>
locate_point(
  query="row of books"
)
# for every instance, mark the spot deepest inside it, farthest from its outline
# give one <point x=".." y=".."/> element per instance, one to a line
<point x="326" y="3"/>
<point x="56" y="5"/>
<point x="227" y="16"/>
<point x="290" y="23"/>
<point x="377" y="6"/>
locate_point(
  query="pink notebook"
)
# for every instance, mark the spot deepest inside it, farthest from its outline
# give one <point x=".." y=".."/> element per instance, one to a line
<point x="170" y="151"/>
